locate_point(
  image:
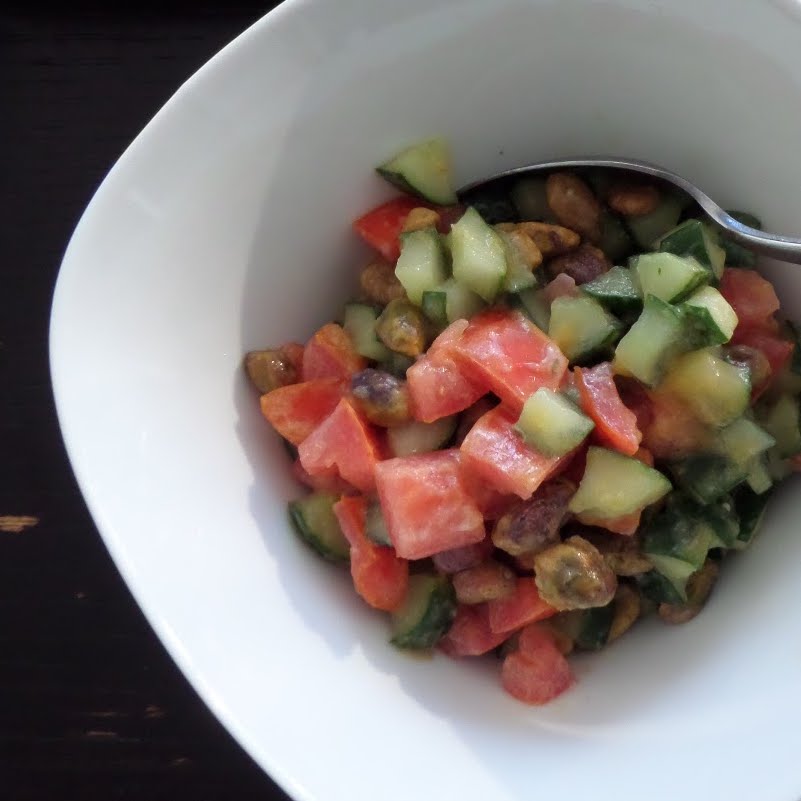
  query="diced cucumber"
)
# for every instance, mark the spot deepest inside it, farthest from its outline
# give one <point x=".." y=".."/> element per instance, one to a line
<point x="709" y="317"/>
<point x="376" y="526"/>
<point x="421" y="265"/>
<point x="778" y="468"/>
<point x="696" y="239"/>
<point x="535" y="306"/>
<point x="416" y="437"/>
<point x="591" y="626"/>
<point x="719" y="519"/>
<point x="434" y="305"/>
<point x="651" y="343"/>
<point x="551" y="424"/>
<point x="759" y="478"/>
<point x="647" y="228"/>
<point x="617" y="290"/>
<point x="667" y="276"/>
<point x="359" y="324"/>
<point x="454" y="301"/>
<point x="658" y="588"/>
<point x="751" y="508"/>
<point x="314" y="520"/>
<point x="614" y="485"/>
<point x="738" y="255"/>
<point x="396" y="363"/>
<point x="707" y="477"/>
<point x="582" y="328"/>
<point x="426" y="613"/>
<point x="423" y="169"/>
<point x="531" y="200"/>
<point x="781" y="421"/>
<point x="519" y="274"/>
<point x="743" y="441"/>
<point x="718" y="392"/>
<point x="479" y="258"/>
<point x="615" y="239"/>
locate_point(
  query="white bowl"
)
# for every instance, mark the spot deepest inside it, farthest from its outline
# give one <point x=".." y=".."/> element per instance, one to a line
<point x="225" y="227"/>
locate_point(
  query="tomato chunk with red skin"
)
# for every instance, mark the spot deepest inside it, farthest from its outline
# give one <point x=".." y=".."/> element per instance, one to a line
<point x="524" y="606"/>
<point x="343" y="440"/>
<point x="752" y="297"/>
<point x="322" y="482"/>
<point x="330" y="354"/>
<point x="538" y="672"/>
<point x="426" y="508"/>
<point x="470" y="633"/>
<point x="777" y="350"/>
<point x="615" y="425"/>
<point x="495" y="452"/>
<point x="379" y="576"/>
<point x="504" y="350"/>
<point x="296" y="410"/>
<point x="438" y="385"/>
<point x="381" y="226"/>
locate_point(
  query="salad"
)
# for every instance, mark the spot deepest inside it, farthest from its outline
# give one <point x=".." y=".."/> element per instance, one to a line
<point x="552" y="408"/>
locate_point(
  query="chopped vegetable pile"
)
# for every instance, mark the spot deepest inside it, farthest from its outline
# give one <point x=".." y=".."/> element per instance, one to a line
<point x="548" y="412"/>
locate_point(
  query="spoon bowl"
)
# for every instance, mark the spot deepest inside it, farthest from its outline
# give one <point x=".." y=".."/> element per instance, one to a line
<point x="783" y="248"/>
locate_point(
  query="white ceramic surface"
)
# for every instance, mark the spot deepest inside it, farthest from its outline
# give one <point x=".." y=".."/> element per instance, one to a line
<point x="225" y="227"/>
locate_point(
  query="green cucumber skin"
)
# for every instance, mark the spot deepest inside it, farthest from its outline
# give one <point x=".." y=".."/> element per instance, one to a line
<point x="707" y="477"/>
<point x="593" y="630"/>
<point x="435" y="622"/>
<point x="332" y="548"/>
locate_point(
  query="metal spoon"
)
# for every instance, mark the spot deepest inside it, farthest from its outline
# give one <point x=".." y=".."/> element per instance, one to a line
<point x="784" y="248"/>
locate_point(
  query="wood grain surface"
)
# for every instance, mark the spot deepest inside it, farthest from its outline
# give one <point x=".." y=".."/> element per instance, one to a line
<point x="91" y="706"/>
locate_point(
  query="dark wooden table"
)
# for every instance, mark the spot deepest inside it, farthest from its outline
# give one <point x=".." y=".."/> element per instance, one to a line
<point x="91" y="706"/>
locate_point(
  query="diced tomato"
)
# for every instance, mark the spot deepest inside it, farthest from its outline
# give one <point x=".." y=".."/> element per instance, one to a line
<point x="523" y="607"/>
<point x="777" y="350"/>
<point x="470" y="634"/>
<point x="438" y="386"/>
<point x="379" y="576"/>
<point x="468" y="418"/>
<point x="634" y="397"/>
<point x="674" y="431"/>
<point x="492" y="503"/>
<point x="563" y="286"/>
<point x="494" y="452"/>
<point x="330" y="354"/>
<point x="615" y="425"/>
<point x="381" y="226"/>
<point x="425" y="505"/>
<point x="346" y="441"/>
<point x="502" y="349"/>
<point x="750" y="295"/>
<point x="296" y="410"/>
<point x="322" y="482"/>
<point x="538" y="672"/>
<point x="464" y="557"/>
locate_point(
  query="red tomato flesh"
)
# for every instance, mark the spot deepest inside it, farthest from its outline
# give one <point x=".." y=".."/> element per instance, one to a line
<point x="615" y="425"/>
<point x="750" y="295"/>
<point x="330" y="354"/>
<point x="494" y="452"/>
<point x="381" y="226"/>
<point x="538" y="672"/>
<point x="296" y="410"/>
<point x="503" y="350"/>
<point x="379" y="576"/>
<point x="522" y="607"/>
<point x="425" y="505"/>
<point x="343" y="440"/>
<point x="470" y="634"/>
<point x="438" y="386"/>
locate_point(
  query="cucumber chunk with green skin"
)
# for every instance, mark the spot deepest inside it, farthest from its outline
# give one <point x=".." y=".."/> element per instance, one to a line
<point x="591" y="626"/>
<point x="717" y="391"/>
<point x="698" y="240"/>
<point x="359" y="324"/>
<point x="709" y="317"/>
<point x="738" y="255"/>
<point x="781" y="421"/>
<point x="656" y="337"/>
<point x="759" y="478"/>
<point x="617" y="290"/>
<point x="396" y="364"/>
<point x="451" y="301"/>
<point x="375" y="525"/>
<point x="533" y="303"/>
<point x="582" y="328"/>
<point x="519" y="275"/>
<point x="315" y="522"/>
<point x="743" y="441"/>
<point x="551" y="424"/>
<point x="416" y="437"/>
<point x="658" y="588"/>
<point x="719" y="519"/>
<point x="479" y="258"/>
<point x="648" y="228"/>
<point x="426" y="613"/>
<point x="616" y="241"/>
<point x="421" y="265"/>
<point x="424" y="170"/>
<point x="751" y="508"/>
<point x="614" y="485"/>
<point x="667" y="276"/>
<point x="707" y="477"/>
<point x="434" y="306"/>
<point x="530" y="199"/>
